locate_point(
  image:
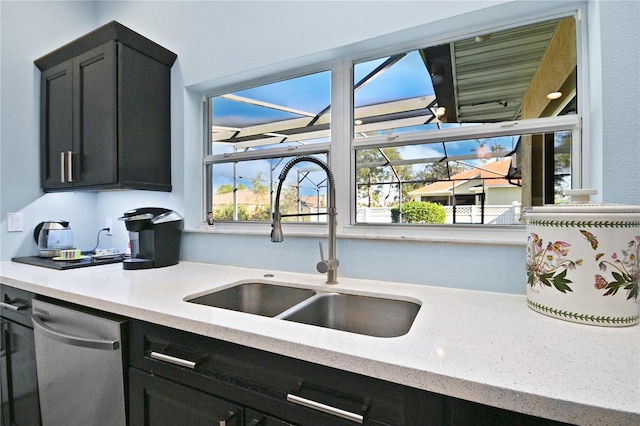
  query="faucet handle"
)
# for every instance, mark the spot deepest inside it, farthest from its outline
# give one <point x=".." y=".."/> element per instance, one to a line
<point x="326" y="265"/>
<point x="321" y="251"/>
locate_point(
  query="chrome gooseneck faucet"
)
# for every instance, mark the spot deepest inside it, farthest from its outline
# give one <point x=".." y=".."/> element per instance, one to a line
<point x="330" y="265"/>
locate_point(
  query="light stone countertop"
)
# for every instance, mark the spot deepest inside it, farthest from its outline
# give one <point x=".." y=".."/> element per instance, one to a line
<point x="480" y="346"/>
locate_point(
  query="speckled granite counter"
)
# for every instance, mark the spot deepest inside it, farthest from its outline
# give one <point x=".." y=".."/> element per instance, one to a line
<point x="480" y="346"/>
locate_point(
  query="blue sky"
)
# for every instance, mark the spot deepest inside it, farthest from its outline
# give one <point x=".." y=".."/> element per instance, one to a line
<point x="407" y="78"/>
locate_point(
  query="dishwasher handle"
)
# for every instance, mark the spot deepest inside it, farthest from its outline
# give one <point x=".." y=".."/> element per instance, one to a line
<point x="83" y="342"/>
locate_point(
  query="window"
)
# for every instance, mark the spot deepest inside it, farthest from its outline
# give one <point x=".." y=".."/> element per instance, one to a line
<point x="429" y="126"/>
<point x="245" y="190"/>
<point x="254" y="133"/>
<point x="482" y="185"/>
<point x="475" y="129"/>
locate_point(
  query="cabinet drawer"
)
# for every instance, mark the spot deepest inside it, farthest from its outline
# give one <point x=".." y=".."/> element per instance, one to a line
<point x="190" y="358"/>
<point x="15" y="304"/>
<point x="293" y="390"/>
<point x="156" y="402"/>
<point x="254" y="418"/>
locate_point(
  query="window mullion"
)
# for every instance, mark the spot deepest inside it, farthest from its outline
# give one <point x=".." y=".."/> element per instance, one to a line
<point x="272" y="153"/>
<point x="341" y="135"/>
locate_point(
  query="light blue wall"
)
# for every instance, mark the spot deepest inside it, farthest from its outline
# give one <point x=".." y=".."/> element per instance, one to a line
<point x="28" y="31"/>
<point x="489" y="268"/>
<point x="219" y="43"/>
<point x="620" y="65"/>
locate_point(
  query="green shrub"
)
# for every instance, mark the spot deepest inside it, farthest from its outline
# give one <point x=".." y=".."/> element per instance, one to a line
<point x="226" y="213"/>
<point x="395" y="215"/>
<point x="419" y="212"/>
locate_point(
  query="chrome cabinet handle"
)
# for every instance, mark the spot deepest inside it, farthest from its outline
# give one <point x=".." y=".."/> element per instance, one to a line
<point x="325" y="408"/>
<point x="63" y="166"/>
<point x="173" y="360"/>
<point x="13" y="307"/>
<point x="69" y="166"/>
<point x="66" y="165"/>
<point x="83" y="342"/>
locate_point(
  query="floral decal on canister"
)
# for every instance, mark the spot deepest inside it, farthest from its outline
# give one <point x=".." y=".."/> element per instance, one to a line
<point x="547" y="266"/>
<point x="623" y="268"/>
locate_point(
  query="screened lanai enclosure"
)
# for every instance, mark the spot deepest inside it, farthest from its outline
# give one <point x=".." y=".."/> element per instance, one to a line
<point x="481" y="126"/>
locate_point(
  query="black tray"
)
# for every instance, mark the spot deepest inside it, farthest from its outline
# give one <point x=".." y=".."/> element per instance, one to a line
<point x="63" y="264"/>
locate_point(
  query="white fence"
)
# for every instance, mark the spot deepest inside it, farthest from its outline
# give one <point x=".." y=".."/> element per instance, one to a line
<point x="374" y="215"/>
<point x="493" y="215"/>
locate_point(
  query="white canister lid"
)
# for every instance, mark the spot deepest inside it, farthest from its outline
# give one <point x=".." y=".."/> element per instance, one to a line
<point x="581" y="203"/>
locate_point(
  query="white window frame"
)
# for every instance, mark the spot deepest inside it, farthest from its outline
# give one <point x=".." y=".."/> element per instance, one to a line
<point x="342" y="147"/>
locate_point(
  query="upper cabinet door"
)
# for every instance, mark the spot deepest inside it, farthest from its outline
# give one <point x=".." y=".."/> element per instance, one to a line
<point x="56" y="126"/>
<point x="95" y="112"/>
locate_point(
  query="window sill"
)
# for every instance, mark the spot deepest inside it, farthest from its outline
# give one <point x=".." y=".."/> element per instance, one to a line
<point x="452" y="234"/>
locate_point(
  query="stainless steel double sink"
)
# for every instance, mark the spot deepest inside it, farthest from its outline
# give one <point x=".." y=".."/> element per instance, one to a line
<point x="355" y="313"/>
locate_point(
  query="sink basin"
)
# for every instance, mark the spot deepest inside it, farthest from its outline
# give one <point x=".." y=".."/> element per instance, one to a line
<point x="256" y="298"/>
<point x="373" y="316"/>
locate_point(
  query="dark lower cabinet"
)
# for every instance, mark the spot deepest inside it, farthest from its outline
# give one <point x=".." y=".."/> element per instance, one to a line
<point x="19" y="384"/>
<point x="162" y="402"/>
<point x="183" y="378"/>
<point x="467" y="413"/>
<point x="254" y="418"/>
<point x="200" y="375"/>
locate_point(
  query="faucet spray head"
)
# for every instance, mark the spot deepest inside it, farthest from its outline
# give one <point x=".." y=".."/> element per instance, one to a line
<point x="276" y="228"/>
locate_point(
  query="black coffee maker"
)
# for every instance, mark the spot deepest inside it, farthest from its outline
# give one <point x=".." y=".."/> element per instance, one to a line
<point x="154" y="235"/>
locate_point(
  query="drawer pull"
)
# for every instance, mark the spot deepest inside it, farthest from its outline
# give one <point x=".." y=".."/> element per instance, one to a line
<point x="325" y="408"/>
<point x="223" y="422"/>
<point x="13" y="307"/>
<point x="173" y="360"/>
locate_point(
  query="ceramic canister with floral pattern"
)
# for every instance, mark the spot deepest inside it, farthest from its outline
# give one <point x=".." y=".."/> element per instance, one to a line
<point x="583" y="260"/>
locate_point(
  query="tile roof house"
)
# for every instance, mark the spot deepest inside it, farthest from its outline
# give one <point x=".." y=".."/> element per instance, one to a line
<point x="489" y="179"/>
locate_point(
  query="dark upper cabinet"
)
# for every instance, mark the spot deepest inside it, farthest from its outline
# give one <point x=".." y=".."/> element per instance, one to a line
<point x="105" y="114"/>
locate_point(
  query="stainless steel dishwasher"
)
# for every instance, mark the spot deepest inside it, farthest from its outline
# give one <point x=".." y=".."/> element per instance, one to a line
<point x="79" y="360"/>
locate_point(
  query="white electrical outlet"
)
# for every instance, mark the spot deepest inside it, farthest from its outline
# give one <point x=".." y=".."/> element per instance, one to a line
<point x="109" y="224"/>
